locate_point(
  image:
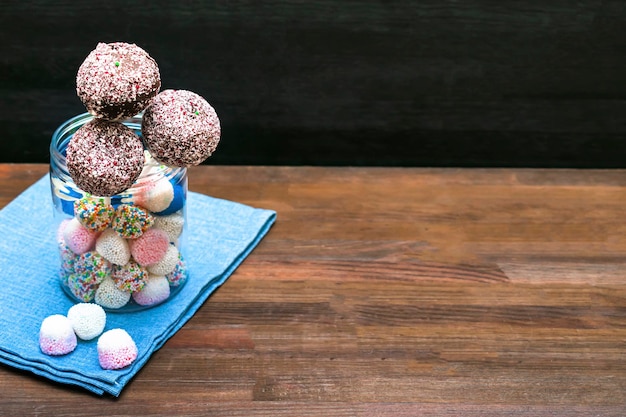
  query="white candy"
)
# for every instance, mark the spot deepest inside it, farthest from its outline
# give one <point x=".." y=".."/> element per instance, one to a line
<point x="167" y="264"/>
<point x="109" y="296"/>
<point x="88" y="320"/>
<point x="171" y="224"/>
<point x="156" y="290"/>
<point x="113" y="247"/>
<point x="157" y="197"/>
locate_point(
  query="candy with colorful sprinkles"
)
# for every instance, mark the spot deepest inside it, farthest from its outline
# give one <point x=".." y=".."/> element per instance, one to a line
<point x="94" y="213"/>
<point x="130" y="277"/>
<point x="171" y="224"/>
<point x="167" y="264"/>
<point x="64" y="276"/>
<point x="56" y="336"/>
<point x="117" y="80"/>
<point x="83" y="285"/>
<point x="130" y="222"/>
<point x="150" y="247"/>
<point x="113" y="247"/>
<point x="88" y="320"/>
<point x="116" y="349"/>
<point x="68" y="259"/>
<point x="77" y="237"/>
<point x="94" y="265"/>
<point x="157" y="290"/>
<point x="109" y="296"/>
<point x="180" y="128"/>
<point x="179" y="275"/>
<point x="104" y="158"/>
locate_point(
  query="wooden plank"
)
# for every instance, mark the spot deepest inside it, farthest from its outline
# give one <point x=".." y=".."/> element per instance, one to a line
<point x="392" y="292"/>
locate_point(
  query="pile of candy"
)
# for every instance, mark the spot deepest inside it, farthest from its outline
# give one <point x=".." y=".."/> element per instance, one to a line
<point x="112" y="255"/>
<point x="113" y="249"/>
<point x="59" y="334"/>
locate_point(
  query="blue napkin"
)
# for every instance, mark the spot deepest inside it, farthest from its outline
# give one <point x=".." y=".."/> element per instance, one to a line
<point x="220" y="235"/>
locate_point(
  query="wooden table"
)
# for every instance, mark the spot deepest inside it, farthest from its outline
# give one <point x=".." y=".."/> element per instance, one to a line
<point x="392" y="292"/>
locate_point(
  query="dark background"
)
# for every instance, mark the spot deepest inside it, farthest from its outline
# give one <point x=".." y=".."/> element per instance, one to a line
<point x="411" y="83"/>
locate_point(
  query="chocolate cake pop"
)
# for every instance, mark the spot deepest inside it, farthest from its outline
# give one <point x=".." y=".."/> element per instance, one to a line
<point x="104" y="158"/>
<point x="117" y="80"/>
<point x="180" y="128"/>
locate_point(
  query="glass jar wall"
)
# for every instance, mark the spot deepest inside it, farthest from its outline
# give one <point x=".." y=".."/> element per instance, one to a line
<point x="124" y="252"/>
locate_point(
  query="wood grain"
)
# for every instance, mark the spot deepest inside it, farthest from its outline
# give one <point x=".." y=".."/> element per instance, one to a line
<point x="392" y="292"/>
<point x="367" y="82"/>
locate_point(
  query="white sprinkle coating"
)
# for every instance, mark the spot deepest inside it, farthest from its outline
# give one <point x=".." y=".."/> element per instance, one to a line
<point x="113" y="247"/>
<point x="156" y="290"/>
<point x="180" y="128"/>
<point x="171" y="224"/>
<point x="104" y="158"/>
<point x="116" y="349"/>
<point x="117" y="80"/>
<point x="155" y="196"/>
<point x="167" y="264"/>
<point x="56" y="335"/>
<point x="109" y="296"/>
<point x="88" y="320"/>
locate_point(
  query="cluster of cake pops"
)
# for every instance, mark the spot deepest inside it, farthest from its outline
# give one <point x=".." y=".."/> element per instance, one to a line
<point x="117" y="81"/>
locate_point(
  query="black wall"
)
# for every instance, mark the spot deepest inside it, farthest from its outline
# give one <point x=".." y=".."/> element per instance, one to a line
<point x="416" y="83"/>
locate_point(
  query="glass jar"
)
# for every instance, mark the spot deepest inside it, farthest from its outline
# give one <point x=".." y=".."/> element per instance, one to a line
<point x="123" y="252"/>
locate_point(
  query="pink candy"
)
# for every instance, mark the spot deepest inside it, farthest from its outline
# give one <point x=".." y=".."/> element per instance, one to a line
<point x="150" y="247"/>
<point x="116" y="349"/>
<point x="77" y="237"/>
<point x="56" y="336"/>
